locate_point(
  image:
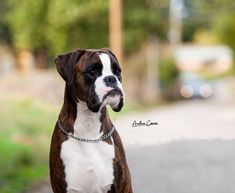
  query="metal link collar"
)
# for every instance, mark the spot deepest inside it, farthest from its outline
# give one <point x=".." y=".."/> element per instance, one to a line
<point x="105" y="136"/>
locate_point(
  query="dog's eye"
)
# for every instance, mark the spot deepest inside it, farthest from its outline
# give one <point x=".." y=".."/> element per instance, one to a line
<point x="118" y="74"/>
<point x="92" y="73"/>
<point x="116" y="70"/>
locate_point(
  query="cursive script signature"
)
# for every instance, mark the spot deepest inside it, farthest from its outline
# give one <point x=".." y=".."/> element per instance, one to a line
<point x="142" y="123"/>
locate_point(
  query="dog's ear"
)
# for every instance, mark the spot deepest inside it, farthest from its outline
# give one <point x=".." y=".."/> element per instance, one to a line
<point x="65" y="64"/>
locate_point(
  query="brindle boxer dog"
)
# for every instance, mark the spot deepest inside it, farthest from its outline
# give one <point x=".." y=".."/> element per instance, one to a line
<point x="87" y="154"/>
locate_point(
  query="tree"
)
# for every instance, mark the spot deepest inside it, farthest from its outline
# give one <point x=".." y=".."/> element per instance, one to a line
<point x="143" y="19"/>
<point x="28" y="23"/>
<point x="58" y="25"/>
<point x="5" y="35"/>
<point x="201" y="15"/>
<point x="79" y="23"/>
<point x="224" y="28"/>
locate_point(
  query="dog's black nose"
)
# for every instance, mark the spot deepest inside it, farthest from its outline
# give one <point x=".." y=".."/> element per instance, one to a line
<point x="110" y="80"/>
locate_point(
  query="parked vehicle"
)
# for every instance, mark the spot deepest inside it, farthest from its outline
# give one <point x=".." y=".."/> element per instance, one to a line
<point x="194" y="86"/>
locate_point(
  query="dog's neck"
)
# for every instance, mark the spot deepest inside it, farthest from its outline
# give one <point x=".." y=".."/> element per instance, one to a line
<point x="87" y="124"/>
<point x="81" y="121"/>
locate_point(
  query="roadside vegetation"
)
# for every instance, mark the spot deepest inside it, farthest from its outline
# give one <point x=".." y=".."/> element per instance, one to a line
<point x="26" y="126"/>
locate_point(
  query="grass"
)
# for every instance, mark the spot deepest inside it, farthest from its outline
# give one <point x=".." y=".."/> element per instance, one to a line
<point x="25" y="124"/>
<point x="20" y="167"/>
<point x="25" y="117"/>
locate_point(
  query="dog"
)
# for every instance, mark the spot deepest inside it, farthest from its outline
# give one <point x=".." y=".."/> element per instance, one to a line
<point x="86" y="153"/>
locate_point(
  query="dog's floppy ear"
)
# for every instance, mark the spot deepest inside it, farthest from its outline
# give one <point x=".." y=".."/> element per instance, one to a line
<point x="65" y="64"/>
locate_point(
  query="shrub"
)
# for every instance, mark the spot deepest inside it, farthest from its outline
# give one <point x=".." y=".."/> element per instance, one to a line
<point x="168" y="74"/>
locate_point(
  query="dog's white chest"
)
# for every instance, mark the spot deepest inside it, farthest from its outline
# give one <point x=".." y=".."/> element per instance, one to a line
<point x="88" y="167"/>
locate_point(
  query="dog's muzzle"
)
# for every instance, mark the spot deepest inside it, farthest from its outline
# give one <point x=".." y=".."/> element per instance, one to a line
<point x="114" y="98"/>
<point x="106" y="91"/>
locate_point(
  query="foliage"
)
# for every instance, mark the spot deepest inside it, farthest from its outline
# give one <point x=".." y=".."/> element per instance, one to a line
<point x="169" y="75"/>
<point x="143" y="19"/>
<point x="224" y="28"/>
<point x="5" y="34"/>
<point x="168" y="72"/>
<point x="201" y="15"/>
<point x="205" y="37"/>
<point x="28" y="23"/>
<point x="58" y="25"/>
<point x="77" y="23"/>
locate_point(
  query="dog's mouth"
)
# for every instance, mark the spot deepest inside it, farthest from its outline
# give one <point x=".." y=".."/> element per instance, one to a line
<point x="114" y="98"/>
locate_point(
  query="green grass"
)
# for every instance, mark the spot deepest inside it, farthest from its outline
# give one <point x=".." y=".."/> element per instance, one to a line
<point x="25" y="116"/>
<point x="26" y="127"/>
<point x="20" y="168"/>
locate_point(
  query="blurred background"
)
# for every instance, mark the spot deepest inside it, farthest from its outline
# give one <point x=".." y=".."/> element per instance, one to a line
<point x="177" y="58"/>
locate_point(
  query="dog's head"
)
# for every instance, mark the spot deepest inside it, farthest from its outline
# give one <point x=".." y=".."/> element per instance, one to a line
<point x="94" y="77"/>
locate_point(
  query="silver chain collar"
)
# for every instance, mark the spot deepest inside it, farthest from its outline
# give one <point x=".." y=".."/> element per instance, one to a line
<point x="105" y="136"/>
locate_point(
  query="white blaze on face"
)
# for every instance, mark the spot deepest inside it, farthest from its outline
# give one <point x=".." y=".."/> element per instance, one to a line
<point x="100" y="87"/>
<point x="105" y="60"/>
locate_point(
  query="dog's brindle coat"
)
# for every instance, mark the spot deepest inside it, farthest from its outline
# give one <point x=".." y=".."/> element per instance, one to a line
<point x="80" y="89"/>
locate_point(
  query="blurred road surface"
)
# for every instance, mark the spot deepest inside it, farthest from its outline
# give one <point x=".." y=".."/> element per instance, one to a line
<point x="191" y="150"/>
<point x="197" y="119"/>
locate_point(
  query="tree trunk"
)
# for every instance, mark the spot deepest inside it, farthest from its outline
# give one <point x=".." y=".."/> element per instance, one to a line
<point x="41" y="58"/>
